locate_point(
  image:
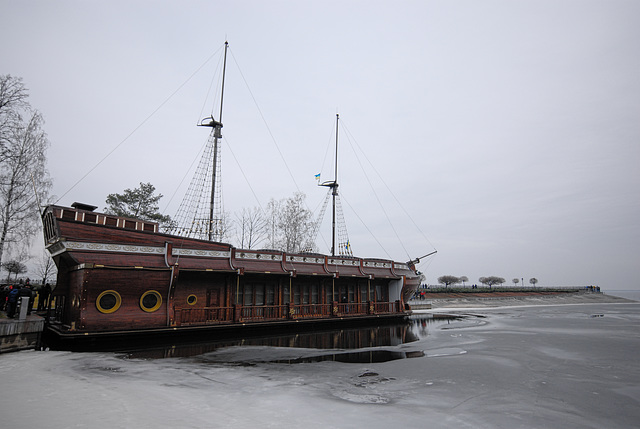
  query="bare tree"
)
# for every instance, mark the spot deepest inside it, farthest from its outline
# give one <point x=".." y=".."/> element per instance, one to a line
<point x="22" y="166"/>
<point x="45" y="267"/>
<point x="448" y="280"/>
<point x="13" y="99"/>
<point x="463" y="279"/>
<point x="295" y="224"/>
<point x="14" y="267"/>
<point x="491" y="280"/>
<point x="533" y="281"/>
<point x="271" y="223"/>
<point x="289" y="224"/>
<point x="515" y="281"/>
<point x="251" y="227"/>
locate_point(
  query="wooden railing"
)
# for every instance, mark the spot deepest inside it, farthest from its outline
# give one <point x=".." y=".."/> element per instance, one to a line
<point x="352" y="308"/>
<point x="311" y="310"/>
<point x="264" y="312"/>
<point x="204" y="315"/>
<point x="239" y="313"/>
<point x="386" y="307"/>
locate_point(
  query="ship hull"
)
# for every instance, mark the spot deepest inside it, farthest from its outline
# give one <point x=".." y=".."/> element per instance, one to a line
<point x="121" y="277"/>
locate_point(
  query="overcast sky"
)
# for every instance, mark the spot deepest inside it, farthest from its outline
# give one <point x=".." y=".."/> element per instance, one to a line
<point x="508" y="132"/>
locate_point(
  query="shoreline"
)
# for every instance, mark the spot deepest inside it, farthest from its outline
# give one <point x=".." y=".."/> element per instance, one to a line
<point x="465" y="303"/>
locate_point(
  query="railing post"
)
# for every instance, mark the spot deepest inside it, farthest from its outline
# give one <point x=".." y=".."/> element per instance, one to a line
<point x="334" y="308"/>
<point x="237" y="312"/>
<point x="371" y="309"/>
<point x="178" y="317"/>
<point x="291" y="311"/>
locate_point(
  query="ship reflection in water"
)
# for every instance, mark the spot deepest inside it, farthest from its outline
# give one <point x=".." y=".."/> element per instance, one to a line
<point x="356" y="345"/>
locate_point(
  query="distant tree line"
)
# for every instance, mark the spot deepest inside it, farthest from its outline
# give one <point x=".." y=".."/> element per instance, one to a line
<point x="489" y="281"/>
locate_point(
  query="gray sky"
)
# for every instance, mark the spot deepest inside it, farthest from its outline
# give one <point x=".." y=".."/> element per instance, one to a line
<point x="508" y="131"/>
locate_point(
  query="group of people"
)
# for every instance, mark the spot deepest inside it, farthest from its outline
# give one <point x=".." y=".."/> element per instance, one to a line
<point x="10" y="297"/>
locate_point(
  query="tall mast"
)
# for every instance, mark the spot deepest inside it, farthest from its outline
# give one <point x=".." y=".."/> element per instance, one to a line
<point x="339" y="237"/>
<point x="217" y="134"/>
<point x="334" y="194"/>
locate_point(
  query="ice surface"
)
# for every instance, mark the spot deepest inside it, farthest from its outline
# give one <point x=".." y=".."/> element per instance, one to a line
<point x="525" y="367"/>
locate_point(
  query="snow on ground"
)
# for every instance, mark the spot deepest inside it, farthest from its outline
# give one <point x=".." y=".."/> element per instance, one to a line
<point x="572" y="366"/>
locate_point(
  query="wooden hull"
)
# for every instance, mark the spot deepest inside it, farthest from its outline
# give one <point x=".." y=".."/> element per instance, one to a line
<point x="120" y="276"/>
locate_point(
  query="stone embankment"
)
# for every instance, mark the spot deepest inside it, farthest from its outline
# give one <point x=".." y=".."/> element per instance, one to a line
<point x="508" y="299"/>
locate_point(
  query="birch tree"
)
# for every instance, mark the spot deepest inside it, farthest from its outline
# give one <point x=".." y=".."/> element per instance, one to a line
<point x="289" y="224"/>
<point x="23" y="173"/>
<point x="46" y="268"/>
<point x="252" y="227"/>
<point x="295" y="223"/>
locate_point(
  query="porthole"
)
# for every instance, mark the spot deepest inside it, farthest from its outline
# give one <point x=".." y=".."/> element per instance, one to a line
<point x="192" y="299"/>
<point x="150" y="301"/>
<point x="108" y="301"/>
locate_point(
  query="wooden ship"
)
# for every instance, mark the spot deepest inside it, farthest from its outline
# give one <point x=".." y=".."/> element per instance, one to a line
<point x="123" y="278"/>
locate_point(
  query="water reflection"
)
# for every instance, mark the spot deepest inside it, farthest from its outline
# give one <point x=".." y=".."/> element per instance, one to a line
<point x="354" y="345"/>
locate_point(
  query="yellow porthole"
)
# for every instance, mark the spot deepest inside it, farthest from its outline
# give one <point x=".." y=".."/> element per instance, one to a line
<point x="150" y="301"/>
<point x="108" y="301"/>
<point x="192" y="299"/>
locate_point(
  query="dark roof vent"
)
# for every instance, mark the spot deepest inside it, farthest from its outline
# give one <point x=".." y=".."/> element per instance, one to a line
<point x="83" y="206"/>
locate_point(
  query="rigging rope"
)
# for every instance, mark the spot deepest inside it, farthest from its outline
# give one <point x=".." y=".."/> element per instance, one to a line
<point x="350" y="136"/>
<point x="265" y="122"/>
<point x="377" y="197"/>
<point x="139" y="126"/>
<point x="273" y="139"/>
<point x="244" y="175"/>
<point x="367" y="228"/>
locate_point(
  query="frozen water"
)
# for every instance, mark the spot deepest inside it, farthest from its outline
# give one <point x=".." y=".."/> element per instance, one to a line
<point x="520" y="367"/>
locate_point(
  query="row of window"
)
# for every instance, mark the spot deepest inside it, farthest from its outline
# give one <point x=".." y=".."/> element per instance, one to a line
<point x="109" y="301"/>
<point x="259" y="294"/>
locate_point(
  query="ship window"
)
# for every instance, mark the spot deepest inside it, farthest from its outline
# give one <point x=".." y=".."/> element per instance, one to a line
<point x="148" y="227"/>
<point x="150" y="301"/>
<point x="129" y="224"/>
<point x="352" y="293"/>
<point x="192" y="299"/>
<point x="108" y="301"/>
<point x="90" y="217"/>
<point x="259" y="297"/>
<point x="111" y="221"/>
<point x="271" y="294"/>
<point x="296" y="294"/>
<point x="247" y="294"/>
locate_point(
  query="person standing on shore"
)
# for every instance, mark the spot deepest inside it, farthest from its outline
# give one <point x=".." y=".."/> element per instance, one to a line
<point x="12" y="301"/>
<point x="43" y="297"/>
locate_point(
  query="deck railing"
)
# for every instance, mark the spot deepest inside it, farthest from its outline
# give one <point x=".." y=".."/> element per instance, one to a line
<point x="239" y="313"/>
<point x="204" y="315"/>
<point x="311" y="310"/>
<point x="264" y="312"/>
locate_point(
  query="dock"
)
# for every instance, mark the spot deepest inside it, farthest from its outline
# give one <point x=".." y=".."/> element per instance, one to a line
<point x="16" y="334"/>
